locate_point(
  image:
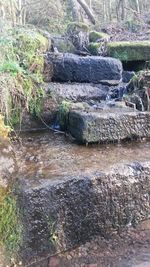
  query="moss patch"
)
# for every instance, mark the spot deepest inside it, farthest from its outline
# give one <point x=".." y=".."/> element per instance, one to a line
<point x="94" y="48"/>
<point x="130" y="51"/>
<point x="64" y="109"/>
<point x="10" y="224"/>
<point x="94" y="36"/>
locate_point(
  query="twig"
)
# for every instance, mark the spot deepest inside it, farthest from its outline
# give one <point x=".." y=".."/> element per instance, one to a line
<point x="51" y="128"/>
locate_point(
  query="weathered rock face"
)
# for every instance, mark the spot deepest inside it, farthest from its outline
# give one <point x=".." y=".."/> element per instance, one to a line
<point x="130" y="51"/>
<point x="7" y="164"/>
<point x="65" y="212"/>
<point x="78" y="34"/>
<point x="108" y="125"/>
<point x="77" y="92"/>
<point x="73" y="68"/>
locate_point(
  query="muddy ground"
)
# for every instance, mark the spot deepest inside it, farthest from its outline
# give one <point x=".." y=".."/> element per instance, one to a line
<point x="131" y="248"/>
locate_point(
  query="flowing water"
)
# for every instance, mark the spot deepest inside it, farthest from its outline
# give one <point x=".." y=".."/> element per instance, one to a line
<point x="47" y="155"/>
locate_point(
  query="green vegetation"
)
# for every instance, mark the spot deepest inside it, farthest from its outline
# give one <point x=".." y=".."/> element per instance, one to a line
<point x="94" y="36"/>
<point x="4" y="130"/>
<point x="130" y="51"/>
<point x="10" y="224"/>
<point x="63" y="113"/>
<point x="94" y="48"/>
<point x="53" y="236"/>
<point x="21" y="73"/>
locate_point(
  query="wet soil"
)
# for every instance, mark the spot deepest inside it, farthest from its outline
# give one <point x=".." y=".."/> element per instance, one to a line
<point x="44" y="155"/>
<point x="130" y="248"/>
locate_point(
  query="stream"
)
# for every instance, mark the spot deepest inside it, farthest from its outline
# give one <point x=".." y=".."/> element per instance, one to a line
<point x="47" y="155"/>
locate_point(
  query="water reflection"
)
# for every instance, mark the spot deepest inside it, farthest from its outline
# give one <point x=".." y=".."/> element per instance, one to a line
<point x="47" y="154"/>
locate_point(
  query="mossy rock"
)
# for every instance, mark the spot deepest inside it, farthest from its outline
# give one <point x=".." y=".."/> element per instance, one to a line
<point x="130" y="51"/>
<point x="31" y="39"/>
<point x="63" y="44"/>
<point x="29" y="43"/>
<point x="73" y="26"/>
<point x="94" y="36"/>
<point x="94" y="48"/>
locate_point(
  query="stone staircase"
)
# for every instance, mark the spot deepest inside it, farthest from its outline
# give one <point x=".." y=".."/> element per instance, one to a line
<point x="61" y="213"/>
<point x="100" y="84"/>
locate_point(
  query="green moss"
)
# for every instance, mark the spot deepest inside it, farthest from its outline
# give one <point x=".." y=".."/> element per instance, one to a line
<point x="94" y="36"/>
<point x="94" y="48"/>
<point x="63" y="113"/>
<point x="10" y="225"/>
<point x="23" y="60"/>
<point x="28" y="44"/>
<point x="6" y="49"/>
<point x="130" y="51"/>
<point x="11" y="67"/>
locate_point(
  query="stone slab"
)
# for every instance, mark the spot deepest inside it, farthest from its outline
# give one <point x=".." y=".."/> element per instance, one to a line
<point x="62" y="213"/>
<point x="130" y="51"/>
<point x="108" y="125"/>
<point x="94" y="69"/>
<point x="77" y="91"/>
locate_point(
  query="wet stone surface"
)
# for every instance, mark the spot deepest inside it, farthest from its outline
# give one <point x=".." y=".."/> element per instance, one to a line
<point x="45" y="155"/>
<point x="73" y="68"/>
<point x="8" y="165"/>
<point x="65" y="212"/>
<point x="108" y="125"/>
<point x="48" y="155"/>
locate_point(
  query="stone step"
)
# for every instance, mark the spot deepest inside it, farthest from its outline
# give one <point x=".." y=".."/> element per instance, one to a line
<point x="73" y="68"/>
<point x="77" y="92"/>
<point x="109" y="125"/>
<point x="129" y="51"/>
<point x="62" y="213"/>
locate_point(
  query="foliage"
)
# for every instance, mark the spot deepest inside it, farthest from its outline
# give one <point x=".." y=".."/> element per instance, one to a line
<point x="10" y="225"/>
<point x="21" y="73"/>
<point x="11" y="66"/>
<point x="51" y="15"/>
<point x="4" y="130"/>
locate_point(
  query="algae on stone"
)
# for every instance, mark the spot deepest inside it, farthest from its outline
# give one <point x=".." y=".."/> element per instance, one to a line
<point x="129" y="51"/>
